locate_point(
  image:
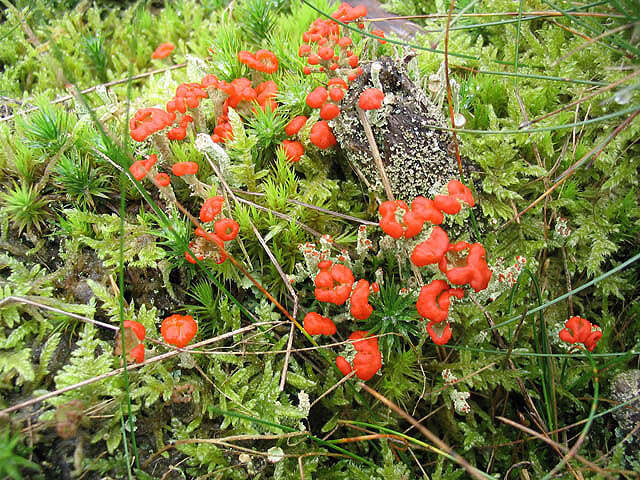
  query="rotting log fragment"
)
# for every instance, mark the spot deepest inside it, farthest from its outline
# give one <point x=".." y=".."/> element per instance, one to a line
<point x="415" y="157"/>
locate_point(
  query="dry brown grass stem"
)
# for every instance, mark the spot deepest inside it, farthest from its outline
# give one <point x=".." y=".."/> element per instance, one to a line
<point x="275" y="213"/>
<point x="318" y="209"/>
<point x="594" y="153"/>
<point x="591" y="41"/>
<point x="112" y="83"/>
<point x="473" y="471"/>
<point x="555" y="445"/>
<point x="581" y="99"/>
<point x="135" y="366"/>
<point x="332" y="388"/>
<point x="276" y="264"/>
<point x="39" y="304"/>
<point x="375" y="153"/>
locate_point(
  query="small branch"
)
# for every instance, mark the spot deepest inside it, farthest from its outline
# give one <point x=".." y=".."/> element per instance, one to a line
<point x="340" y="382"/>
<point x="376" y="153"/>
<point x="134" y="366"/>
<point x="283" y="276"/>
<point x="555" y="445"/>
<point x="57" y="310"/>
<point x="66" y="98"/>
<point x="447" y="450"/>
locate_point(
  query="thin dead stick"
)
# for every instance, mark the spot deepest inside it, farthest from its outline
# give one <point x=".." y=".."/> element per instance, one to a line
<point x="315" y="207"/>
<point x="430" y="414"/>
<point x="595" y="152"/>
<point x="275" y="213"/>
<point x="415" y="459"/>
<point x="474" y="472"/>
<point x="542" y="13"/>
<point x="375" y="153"/>
<point x="135" y="366"/>
<point x="591" y="41"/>
<point x="448" y="86"/>
<point x="555" y="445"/>
<point x="581" y="99"/>
<point x="47" y="171"/>
<point x="27" y="301"/>
<point x="66" y="98"/>
<point x="300" y="468"/>
<point x="221" y="441"/>
<point x="340" y="382"/>
<point x="274" y="261"/>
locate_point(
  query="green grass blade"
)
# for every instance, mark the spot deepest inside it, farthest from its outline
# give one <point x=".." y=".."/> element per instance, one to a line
<point x="623" y="265"/>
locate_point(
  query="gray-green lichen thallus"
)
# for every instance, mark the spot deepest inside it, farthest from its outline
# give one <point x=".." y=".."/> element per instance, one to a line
<point x="415" y="157"/>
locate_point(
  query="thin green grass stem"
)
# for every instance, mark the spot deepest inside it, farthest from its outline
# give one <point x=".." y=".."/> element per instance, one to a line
<point x="587" y="426"/>
<point x="122" y="213"/>
<point x="413" y="440"/>
<point x="123" y="430"/>
<point x="626" y="46"/>
<point x="545" y="363"/>
<point x="539" y="129"/>
<point x="623" y="265"/>
<point x="319" y="441"/>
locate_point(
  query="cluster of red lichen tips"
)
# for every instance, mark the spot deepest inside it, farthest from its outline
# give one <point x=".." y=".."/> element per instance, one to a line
<point x="328" y="50"/>
<point x="208" y="244"/>
<point x="462" y="263"/>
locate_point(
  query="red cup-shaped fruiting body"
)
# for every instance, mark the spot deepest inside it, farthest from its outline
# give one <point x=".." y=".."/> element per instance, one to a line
<point x="316" y="324"/>
<point x="434" y="300"/>
<point x="188" y="256"/>
<point x="388" y="220"/>
<point x="184" y="168"/>
<point x="137" y="170"/>
<point x="432" y="250"/>
<point x="226" y="228"/>
<point x="294" y="126"/>
<point x="179" y="330"/>
<point x="163" y="50"/>
<point x="333" y="283"/>
<point x="322" y="136"/>
<point x="581" y="330"/>
<point x="367" y="364"/>
<point x="379" y="33"/>
<point x="211" y="207"/>
<point x="440" y="332"/>
<point x="137" y="353"/>
<point x="343" y="365"/>
<point x="458" y="194"/>
<point x="216" y="240"/>
<point x="329" y="111"/>
<point x="136" y="327"/>
<point x="360" y="307"/>
<point x="148" y="121"/>
<point x="293" y="150"/>
<point x="371" y="99"/>
<point x="163" y="180"/>
<point x="363" y="342"/>
<point x="317" y="97"/>
<point x="475" y="273"/>
<point x="426" y="210"/>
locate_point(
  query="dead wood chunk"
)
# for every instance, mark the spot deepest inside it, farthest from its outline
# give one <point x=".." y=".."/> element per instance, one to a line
<point x="415" y="156"/>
